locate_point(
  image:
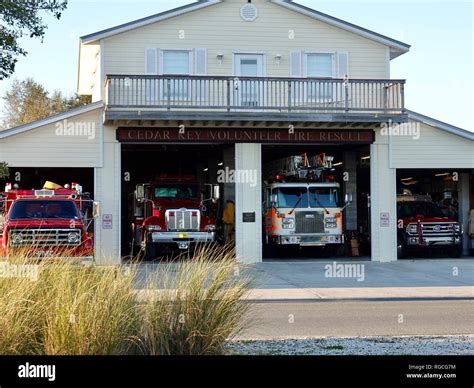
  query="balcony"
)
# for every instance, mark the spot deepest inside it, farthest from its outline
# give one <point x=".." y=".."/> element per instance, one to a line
<point x="220" y="98"/>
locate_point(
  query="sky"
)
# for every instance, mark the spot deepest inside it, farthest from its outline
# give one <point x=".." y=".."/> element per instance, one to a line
<point x="438" y="68"/>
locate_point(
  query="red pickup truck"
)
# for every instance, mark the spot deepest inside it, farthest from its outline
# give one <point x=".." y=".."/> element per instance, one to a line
<point x="422" y="225"/>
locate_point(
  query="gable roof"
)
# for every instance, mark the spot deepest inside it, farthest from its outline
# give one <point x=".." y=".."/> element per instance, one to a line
<point x="440" y="125"/>
<point x="51" y="119"/>
<point x="396" y="47"/>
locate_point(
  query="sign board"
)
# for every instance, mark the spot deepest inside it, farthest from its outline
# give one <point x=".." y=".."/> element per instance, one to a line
<point x="384" y="220"/>
<point x="243" y="135"/>
<point x="106" y="221"/>
<point x="248" y="217"/>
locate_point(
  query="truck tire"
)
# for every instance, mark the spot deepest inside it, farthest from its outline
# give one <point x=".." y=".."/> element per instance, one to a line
<point x="269" y="251"/>
<point x="456" y="252"/>
<point x="150" y="252"/>
<point x="401" y="249"/>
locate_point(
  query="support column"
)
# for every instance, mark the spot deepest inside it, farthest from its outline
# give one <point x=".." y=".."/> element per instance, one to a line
<point x="108" y="193"/>
<point x="350" y="166"/>
<point x="383" y="199"/>
<point x="463" y="199"/>
<point x="248" y="203"/>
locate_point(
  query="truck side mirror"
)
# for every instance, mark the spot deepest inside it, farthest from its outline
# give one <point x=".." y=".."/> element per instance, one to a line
<point x="216" y="192"/>
<point x="348" y="198"/>
<point x="140" y="193"/>
<point x="95" y="209"/>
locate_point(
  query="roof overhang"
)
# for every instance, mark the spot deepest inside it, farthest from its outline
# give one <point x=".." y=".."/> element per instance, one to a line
<point x="396" y="47"/>
<point x="440" y="125"/>
<point x="51" y="119"/>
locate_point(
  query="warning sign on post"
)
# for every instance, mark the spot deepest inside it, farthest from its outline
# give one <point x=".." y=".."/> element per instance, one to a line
<point x="384" y="220"/>
<point x="106" y="221"/>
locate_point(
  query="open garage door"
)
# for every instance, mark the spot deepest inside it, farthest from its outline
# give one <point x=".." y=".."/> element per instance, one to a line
<point x="321" y="209"/>
<point x="435" y="213"/>
<point x="174" y="198"/>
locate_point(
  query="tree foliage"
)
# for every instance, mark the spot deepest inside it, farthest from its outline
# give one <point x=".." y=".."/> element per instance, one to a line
<point x="19" y="18"/>
<point x="27" y="101"/>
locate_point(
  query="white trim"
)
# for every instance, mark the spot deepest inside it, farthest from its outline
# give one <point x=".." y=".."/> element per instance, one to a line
<point x="147" y="21"/>
<point x="262" y="53"/>
<point x="51" y="119"/>
<point x="102" y="70"/>
<point x="403" y="48"/>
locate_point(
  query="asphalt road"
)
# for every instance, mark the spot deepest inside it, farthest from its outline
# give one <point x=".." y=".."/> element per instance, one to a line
<point x="292" y="319"/>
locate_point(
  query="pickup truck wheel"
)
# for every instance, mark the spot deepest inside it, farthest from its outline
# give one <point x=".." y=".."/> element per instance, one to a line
<point x="457" y="252"/>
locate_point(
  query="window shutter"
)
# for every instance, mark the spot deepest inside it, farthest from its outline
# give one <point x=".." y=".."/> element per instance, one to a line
<point x="342" y="64"/>
<point x="151" y="61"/>
<point x="295" y="64"/>
<point x="200" y="68"/>
<point x="151" y="68"/>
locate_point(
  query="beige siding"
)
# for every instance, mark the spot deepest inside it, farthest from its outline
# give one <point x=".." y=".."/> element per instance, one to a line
<point x="47" y="146"/>
<point x="434" y="149"/>
<point x="220" y="29"/>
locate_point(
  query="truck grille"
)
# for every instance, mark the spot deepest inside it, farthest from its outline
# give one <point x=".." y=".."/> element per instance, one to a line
<point x="43" y="237"/>
<point x="435" y="229"/>
<point x="309" y="222"/>
<point x="183" y="220"/>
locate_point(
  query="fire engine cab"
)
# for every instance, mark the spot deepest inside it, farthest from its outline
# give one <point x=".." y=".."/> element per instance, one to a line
<point x="54" y="221"/>
<point x="303" y="205"/>
<point x="173" y="212"/>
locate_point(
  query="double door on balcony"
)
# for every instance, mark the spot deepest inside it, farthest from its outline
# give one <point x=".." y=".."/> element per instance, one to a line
<point x="248" y="93"/>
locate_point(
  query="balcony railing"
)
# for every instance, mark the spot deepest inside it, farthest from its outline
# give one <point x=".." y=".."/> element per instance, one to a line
<point x="258" y="94"/>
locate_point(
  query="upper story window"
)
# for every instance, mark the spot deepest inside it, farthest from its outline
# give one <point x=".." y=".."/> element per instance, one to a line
<point x="176" y="62"/>
<point x="320" y="65"/>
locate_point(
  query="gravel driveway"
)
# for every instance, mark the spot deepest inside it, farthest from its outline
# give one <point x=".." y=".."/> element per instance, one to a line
<point x="446" y="345"/>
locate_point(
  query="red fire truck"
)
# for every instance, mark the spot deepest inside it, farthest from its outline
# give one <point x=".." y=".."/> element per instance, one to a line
<point x="54" y="221"/>
<point x="422" y="225"/>
<point x="173" y="212"/>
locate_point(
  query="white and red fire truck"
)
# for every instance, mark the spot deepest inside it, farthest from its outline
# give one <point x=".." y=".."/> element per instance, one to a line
<point x="54" y="221"/>
<point x="173" y="212"/>
<point x="302" y="204"/>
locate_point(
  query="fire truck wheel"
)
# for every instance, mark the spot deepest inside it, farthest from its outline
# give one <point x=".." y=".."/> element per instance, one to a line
<point x="401" y="249"/>
<point x="269" y="250"/>
<point x="151" y="250"/>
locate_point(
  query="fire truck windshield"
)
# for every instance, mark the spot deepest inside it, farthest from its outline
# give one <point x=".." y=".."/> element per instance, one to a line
<point x="38" y="209"/>
<point x="292" y="197"/>
<point x="324" y="197"/>
<point x="176" y="191"/>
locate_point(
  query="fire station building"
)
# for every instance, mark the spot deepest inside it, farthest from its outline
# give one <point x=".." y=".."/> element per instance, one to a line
<point x="219" y="89"/>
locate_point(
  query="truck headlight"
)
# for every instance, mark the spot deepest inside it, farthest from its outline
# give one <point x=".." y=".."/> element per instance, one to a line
<point x="458" y="228"/>
<point x="153" y="228"/>
<point x="210" y="228"/>
<point x="330" y="225"/>
<point x="330" y="220"/>
<point x="17" y="238"/>
<point x="412" y="229"/>
<point x="288" y="223"/>
<point x="73" y="238"/>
